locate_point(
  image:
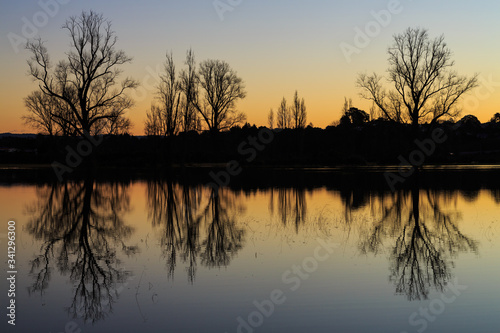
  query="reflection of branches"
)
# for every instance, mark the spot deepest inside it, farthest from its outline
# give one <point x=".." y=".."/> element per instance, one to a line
<point x="451" y="239"/>
<point x="495" y="193"/>
<point x="415" y="248"/>
<point x="224" y="238"/>
<point x="426" y="239"/>
<point x="174" y="208"/>
<point x="388" y="224"/>
<point x="292" y="205"/>
<point x="81" y="224"/>
<point x="194" y="227"/>
<point x="353" y="200"/>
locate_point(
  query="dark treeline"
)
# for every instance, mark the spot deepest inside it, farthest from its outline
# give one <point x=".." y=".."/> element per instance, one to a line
<point x="371" y="143"/>
<point x="353" y="182"/>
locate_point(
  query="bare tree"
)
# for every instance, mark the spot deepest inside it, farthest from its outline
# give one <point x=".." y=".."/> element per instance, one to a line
<point x="169" y="94"/>
<point x="41" y="110"/>
<point x="86" y="82"/>
<point x="153" y="126"/>
<point x="210" y="91"/>
<point x="41" y="107"/>
<point x="374" y="112"/>
<point x="283" y="117"/>
<point x="117" y="125"/>
<point x="165" y="119"/>
<point x="189" y="86"/>
<point x="425" y="86"/>
<point x="222" y="88"/>
<point x="299" y="114"/>
<point x="270" y="119"/>
<point x="347" y="105"/>
<point x="189" y="117"/>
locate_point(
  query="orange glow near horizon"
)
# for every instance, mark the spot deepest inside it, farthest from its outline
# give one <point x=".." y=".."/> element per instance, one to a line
<point x="321" y="112"/>
<point x="322" y="107"/>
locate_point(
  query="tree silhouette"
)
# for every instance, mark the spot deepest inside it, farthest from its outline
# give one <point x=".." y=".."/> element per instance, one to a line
<point x="347" y="105"/>
<point x="283" y="116"/>
<point x="188" y="85"/>
<point x="469" y="124"/>
<point x="270" y="119"/>
<point x="165" y="119"/>
<point x="81" y="226"/>
<point x="216" y="101"/>
<point x="298" y="112"/>
<point x="425" y="88"/>
<point x="495" y="119"/>
<point x="355" y="117"/>
<point x="41" y="109"/>
<point x="85" y="82"/>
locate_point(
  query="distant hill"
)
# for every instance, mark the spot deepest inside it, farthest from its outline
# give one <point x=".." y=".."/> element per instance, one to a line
<point x="33" y="136"/>
<point x="20" y="136"/>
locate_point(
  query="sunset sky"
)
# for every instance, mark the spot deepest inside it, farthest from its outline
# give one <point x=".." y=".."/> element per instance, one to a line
<point x="276" y="47"/>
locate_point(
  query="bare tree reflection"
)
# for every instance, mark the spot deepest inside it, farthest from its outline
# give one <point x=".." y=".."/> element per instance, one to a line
<point x="495" y="194"/>
<point x="426" y="240"/>
<point x="389" y="211"/>
<point x="81" y="227"/>
<point x="292" y="205"/>
<point x="223" y="238"/>
<point x="418" y="262"/>
<point x="194" y="227"/>
<point x="174" y="208"/>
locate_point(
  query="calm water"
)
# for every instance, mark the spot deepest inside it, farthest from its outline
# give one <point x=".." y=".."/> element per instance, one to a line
<point x="328" y="251"/>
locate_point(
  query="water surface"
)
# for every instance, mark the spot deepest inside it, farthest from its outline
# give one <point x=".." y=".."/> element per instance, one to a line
<point x="296" y="251"/>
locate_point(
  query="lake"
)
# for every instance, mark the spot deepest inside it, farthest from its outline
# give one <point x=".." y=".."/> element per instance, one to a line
<point x="278" y="250"/>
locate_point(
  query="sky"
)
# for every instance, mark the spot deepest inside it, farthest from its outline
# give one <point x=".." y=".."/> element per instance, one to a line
<point x="276" y="47"/>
